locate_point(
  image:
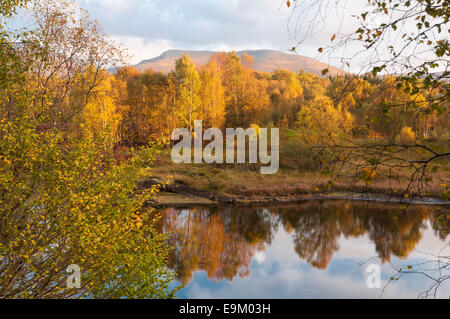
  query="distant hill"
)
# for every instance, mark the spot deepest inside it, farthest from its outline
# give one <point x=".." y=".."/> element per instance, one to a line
<point x="264" y="60"/>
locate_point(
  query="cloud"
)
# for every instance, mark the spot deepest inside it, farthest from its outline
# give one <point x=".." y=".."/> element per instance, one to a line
<point x="278" y="272"/>
<point x="284" y="275"/>
<point x="149" y="27"/>
<point x="190" y="22"/>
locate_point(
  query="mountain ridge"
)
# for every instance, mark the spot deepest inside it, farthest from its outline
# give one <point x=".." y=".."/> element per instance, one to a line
<point x="264" y="60"/>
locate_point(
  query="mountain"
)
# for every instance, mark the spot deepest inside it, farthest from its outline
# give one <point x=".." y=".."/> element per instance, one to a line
<point x="264" y="60"/>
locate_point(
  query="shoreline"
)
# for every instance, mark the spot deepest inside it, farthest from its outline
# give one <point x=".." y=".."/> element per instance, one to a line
<point x="176" y="194"/>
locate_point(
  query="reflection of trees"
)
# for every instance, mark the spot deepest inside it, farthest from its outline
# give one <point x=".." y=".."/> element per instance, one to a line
<point x="222" y="241"/>
<point x="317" y="228"/>
<point x="315" y="232"/>
<point x="395" y="232"/>
<point x="441" y="223"/>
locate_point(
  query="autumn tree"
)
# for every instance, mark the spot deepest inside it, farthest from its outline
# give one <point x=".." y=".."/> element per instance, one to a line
<point x="390" y="120"/>
<point x="246" y="95"/>
<point x="286" y="96"/>
<point x="212" y="95"/>
<point x="319" y="121"/>
<point x="68" y="51"/>
<point x="350" y="92"/>
<point x="101" y="115"/>
<point x="147" y="98"/>
<point x="188" y="92"/>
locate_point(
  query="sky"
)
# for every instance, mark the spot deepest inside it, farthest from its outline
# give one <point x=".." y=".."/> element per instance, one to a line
<point x="150" y="27"/>
<point x="278" y="272"/>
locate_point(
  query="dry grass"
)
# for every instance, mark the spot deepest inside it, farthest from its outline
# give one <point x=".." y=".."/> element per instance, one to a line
<point x="244" y="181"/>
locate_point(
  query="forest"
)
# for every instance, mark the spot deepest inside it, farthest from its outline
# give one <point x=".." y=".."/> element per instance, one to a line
<point x="311" y="112"/>
<point x="143" y="107"/>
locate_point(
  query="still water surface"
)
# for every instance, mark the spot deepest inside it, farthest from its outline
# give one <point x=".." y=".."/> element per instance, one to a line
<point x="315" y="249"/>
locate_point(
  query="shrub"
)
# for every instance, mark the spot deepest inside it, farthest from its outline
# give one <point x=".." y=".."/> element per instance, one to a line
<point x="64" y="203"/>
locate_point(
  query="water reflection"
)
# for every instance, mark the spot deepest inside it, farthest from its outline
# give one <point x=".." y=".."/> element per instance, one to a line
<point x="223" y="242"/>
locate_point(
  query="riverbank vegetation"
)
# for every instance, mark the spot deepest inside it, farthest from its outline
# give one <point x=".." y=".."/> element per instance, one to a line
<point x="337" y="133"/>
<point x="245" y="183"/>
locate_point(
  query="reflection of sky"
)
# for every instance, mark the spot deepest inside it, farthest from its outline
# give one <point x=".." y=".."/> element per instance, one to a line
<point x="278" y="272"/>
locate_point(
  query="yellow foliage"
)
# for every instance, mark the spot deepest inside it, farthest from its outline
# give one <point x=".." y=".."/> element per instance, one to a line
<point x="407" y="136"/>
<point x="370" y="173"/>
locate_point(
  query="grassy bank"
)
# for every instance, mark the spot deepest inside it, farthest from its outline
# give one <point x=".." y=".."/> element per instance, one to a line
<point x="245" y="183"/>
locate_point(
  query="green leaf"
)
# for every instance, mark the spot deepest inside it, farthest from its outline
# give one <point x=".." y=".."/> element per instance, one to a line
<point x="373" y="161"/>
